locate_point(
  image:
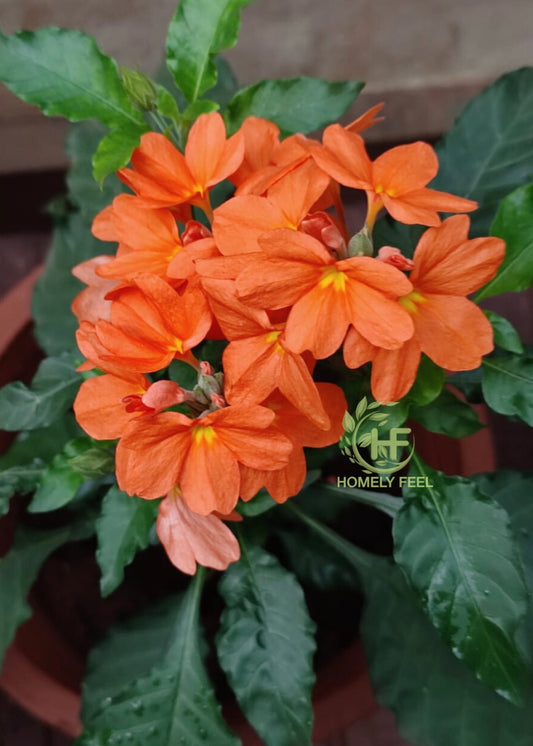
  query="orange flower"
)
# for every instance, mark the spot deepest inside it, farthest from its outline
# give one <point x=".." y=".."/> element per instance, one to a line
<point x="396" y="180"/>
<point x="261" y="139"/>
<point x="151" y="324"/>
<point x="290" y="421"/>
<point x="105" y="404"/>
<point x="366" y="120"/>
<point x="91" y="304"/>
<point x="201" y="455"/>
<point x="240" y="221"/>
<point x="273" y="161"/>
<point x="326" y="295"/>
<point x="163" y="177"/>
<point x="190" y="539"/>
<point x="148" y="238"/>
<point x="257" y="360"/>
<point x="99" y="405"/>
<point x="449" y="329"/>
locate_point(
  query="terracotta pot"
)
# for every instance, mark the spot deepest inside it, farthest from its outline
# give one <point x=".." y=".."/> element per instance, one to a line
<point x="42" y="672"/>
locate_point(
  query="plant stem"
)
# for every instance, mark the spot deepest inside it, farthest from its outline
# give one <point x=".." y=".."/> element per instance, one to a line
<point x="381" y="500"/>
<point x="364" y="562"/>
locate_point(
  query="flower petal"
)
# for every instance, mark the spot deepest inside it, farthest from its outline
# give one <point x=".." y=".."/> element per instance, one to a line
<point x="453" y="331"/>
<point x="190" y="539"/>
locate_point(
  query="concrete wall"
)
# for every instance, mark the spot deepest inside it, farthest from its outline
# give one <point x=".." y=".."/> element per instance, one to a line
<point x="424" y="58"/>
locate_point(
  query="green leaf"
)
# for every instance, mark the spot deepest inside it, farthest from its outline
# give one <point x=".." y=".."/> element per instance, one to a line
<point x="226" y="86"/>
<point x="507" y="385"/>
<point x="122" y="530"/>
<point x="114" y="151"/>
<point x="489" y="151"/>
<point x="469" y="383"/>
<point x="486" y="155"/>
<point x="266" y="645"/>
<point x="128" y="652"/>
<point x="98" y="460"/>
<point x="166" y="104"/>
<point x="513" y="223"/>
<point x="199" y="30"/>
<point x="457" y="550"/>
<point x="193" y="111"/>
<point x="436" y="699"/>
<point x="42" y="443"/>
<point x="505" y="335"/>
<point x="51" y="393"/>
<point x="183" y="374"/>
<point x="261" y="503"/>
<point x="447" y="415"/>
<point x="87" y="196"/>
<point x="314" y="562"/>
<point x="513" y="490"/>
<point x="60" y="480"/>
<point x="294" y="104"/>
<point x="172" y="702"/>
<point x="18" y="480"/>
<point x="57" y="287"/>
<point x="64" y="73"/>
<point x="20" y="567"/>
<point x="428" y="384"/>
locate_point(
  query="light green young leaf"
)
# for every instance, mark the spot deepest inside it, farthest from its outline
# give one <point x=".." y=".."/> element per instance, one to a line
<point x="198" y="31"/>
<point x="167" y="104"/>
<point x="114" y="151"/>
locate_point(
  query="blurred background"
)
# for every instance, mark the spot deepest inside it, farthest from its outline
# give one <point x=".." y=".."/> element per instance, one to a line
<point x="424" y="58"/>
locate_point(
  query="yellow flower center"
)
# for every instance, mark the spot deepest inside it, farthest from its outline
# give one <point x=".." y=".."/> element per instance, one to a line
<point x="177" y="345"/>
<point x="273" y="337"/>
<point x="412" y="300"/>
<point x="390" y="192"/>
<point x="203" y="434"/>
<point x="175" y="250"/>
<point x="332" y="276"/>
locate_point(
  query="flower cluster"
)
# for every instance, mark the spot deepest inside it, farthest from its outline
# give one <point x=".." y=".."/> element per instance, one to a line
<point x="272" y="271"/>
